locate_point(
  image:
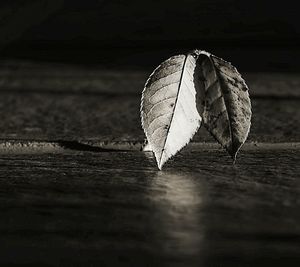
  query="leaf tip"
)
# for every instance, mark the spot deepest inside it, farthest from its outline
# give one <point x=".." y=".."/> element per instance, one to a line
<point x="232" y="151"/>
<point x="234" y="158"/>
<point x="160" y="164"/>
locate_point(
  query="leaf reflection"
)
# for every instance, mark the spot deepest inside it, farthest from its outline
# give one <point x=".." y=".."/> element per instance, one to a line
<point x="178" y="198"/>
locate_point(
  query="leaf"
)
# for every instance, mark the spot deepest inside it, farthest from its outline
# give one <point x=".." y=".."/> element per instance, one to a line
<point x="226" y="104"/>
<point x="168" y="109"/>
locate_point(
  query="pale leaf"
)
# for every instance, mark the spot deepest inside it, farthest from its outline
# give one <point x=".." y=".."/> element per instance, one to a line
<point x="168" y="109"/>
<point x="226" y="106"/>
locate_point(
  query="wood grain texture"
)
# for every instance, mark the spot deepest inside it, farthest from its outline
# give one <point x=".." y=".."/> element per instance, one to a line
<point x="27" y="76"/>
<point x="86" y="209"/>
<point x="50" y="116"/>
<point x="62" y="207"/>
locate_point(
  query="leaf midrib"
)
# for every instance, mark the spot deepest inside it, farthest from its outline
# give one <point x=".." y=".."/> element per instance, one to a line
<point x="226" y="107"/>
<point x="175" y="104"/>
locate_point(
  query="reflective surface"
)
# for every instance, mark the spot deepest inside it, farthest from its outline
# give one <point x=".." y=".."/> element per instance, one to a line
<point x="117" y="209"/>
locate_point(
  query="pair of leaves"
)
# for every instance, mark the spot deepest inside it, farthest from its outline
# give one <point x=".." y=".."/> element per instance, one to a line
<point x="187" y="89"/>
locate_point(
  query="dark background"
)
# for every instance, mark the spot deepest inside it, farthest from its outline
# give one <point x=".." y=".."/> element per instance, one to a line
<point x="75" y="189"/>
<point x="255" y="35"/>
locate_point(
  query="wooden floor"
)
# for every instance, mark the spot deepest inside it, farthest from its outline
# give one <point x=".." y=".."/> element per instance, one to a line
<point x="76" y="189"/>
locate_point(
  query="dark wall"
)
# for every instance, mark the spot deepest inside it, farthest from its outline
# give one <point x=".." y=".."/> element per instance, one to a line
<point x="141" y="33"/>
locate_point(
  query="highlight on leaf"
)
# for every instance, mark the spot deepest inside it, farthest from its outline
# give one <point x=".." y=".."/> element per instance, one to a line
<point x="168" y="109"/>
<point x="186" y="89"/>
